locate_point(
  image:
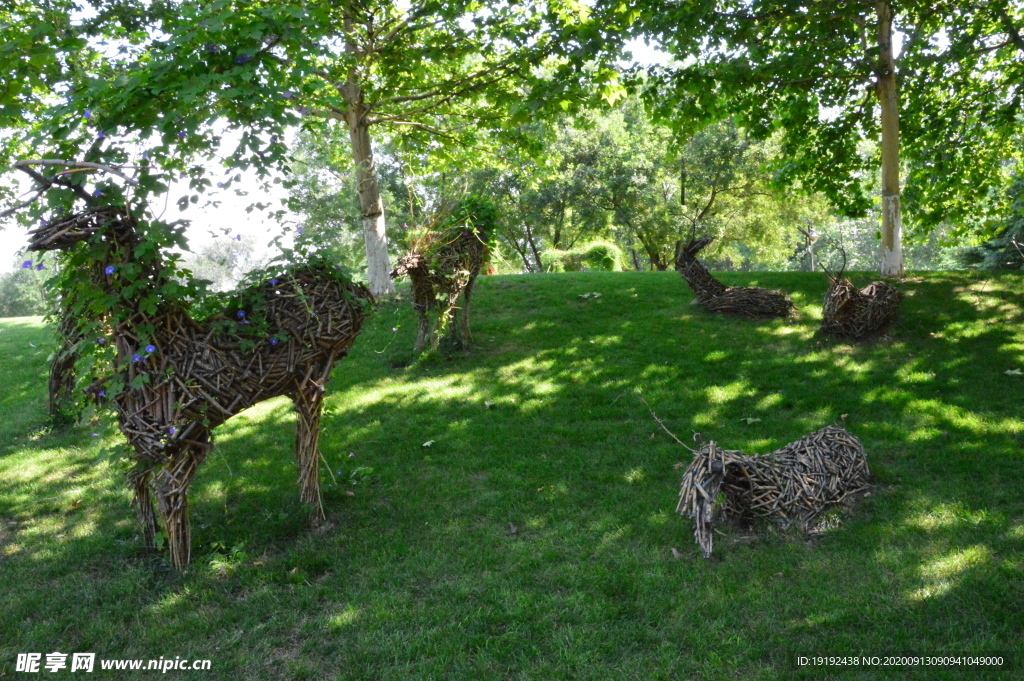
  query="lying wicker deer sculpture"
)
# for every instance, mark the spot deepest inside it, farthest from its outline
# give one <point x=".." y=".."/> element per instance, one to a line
<point x="193" y="376"/>
<point x="740" y="301"/>
<point x="856" y="315"/>
<point x="443" y="266"/>
<point x="795" y="483"/>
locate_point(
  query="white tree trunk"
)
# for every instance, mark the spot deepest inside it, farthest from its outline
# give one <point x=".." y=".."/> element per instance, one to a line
<point x="378" y="266"/>
<point x="892" y="228"/>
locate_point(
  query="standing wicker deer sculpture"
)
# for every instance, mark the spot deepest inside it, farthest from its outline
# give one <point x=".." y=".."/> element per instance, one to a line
<point x="183" y="377"/>
<point x="443" y="266"/>
<point x="740" y="301"/>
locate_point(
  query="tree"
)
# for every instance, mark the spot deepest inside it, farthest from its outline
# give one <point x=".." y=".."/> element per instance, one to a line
<point x="828" y="74"/>
<point x="428" y="70"/>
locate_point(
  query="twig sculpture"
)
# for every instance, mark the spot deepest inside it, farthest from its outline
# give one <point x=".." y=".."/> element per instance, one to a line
<point x="192" y="375"/>
<point x="795" y="483"/>
<point x="740" y="301"/>
<point x="853" y="314"/>
<point x="443" y="266"/>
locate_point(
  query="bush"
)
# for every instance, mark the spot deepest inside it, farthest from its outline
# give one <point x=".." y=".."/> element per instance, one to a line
<point x="21" y="294"/>
<point x="601" y="256"/>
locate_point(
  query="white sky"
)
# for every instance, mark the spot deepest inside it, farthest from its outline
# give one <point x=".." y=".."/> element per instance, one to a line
<point x="208" y="223"/>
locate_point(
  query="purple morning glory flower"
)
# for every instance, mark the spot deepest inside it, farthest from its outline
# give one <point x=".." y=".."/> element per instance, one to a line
<point x="300" y="230"/>
<point x="98" y="193"/>
<point x="67" y="99"/>
<point x="110" y="269"/>
<point x="273" y="139"/>
<point x="182" y="134"/>
<point x="240" y="314"/>
<point x="303" y="110"/>
<point x="87" y="114"/>
<point x="27" y="265"/>
<point x="273" y="341"/>
<point x="136" y="357"/>
<point x="150" y="349"/>
<point x="40" y="267"/>
<point x="273" y="282"/>
<point x="220" y="184"/>
<point x="95" y="435"/>
<point x="213" y="48"/>
<point x="101" y="341"/>
<point x="287" y="94"/>
<point x="242" y="59"/>
<point x="238" y="237"/>
<point x="100" y="135"/>
<point x="351" y="453"/>
<point x="171" y="430"/>
<point x="145" y="155"/>
<point x="102" y="393"/>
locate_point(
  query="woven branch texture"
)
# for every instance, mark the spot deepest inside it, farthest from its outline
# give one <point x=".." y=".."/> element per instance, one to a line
<point x="857" y="315"/>
<point x="740" y="301"/>
<point x="794" y="484"/>
<point x="199" y="375"/>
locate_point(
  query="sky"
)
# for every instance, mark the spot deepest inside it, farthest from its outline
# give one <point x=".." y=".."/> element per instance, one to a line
<point x="209" y="223"/>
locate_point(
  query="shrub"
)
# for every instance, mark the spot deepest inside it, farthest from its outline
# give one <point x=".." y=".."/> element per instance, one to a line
<point x="598" y="256"/>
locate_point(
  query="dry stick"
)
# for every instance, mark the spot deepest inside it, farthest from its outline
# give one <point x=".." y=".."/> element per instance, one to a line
<point x="663" y="426"/>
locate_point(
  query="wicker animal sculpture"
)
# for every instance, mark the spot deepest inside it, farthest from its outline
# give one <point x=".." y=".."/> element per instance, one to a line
<point x="856" y="315"/>
<point x="740" y="301"/>
<point x="795" y="483"/>
<point x="193" y="375"/>
<point x="442" y="268"/>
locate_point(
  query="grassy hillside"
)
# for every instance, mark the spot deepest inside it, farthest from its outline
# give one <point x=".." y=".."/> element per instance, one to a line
<point x="417" y="575"/>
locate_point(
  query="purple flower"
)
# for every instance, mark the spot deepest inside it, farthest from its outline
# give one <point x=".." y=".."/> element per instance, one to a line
<point x="241" y="59"/>
<point x="40" y="267"/>
<point x="101" y="341"/>
<point x="100" y="135"/>
<point x="95" y="434"/>
<point x="42" y="221"/>
<point x="98" y="193"/>
<point x="273" y="341"/>
<point x="273" y="139"/>
<point x="303" y="110"/>
<point x="87" y="114"/>
<point x="102" y="393"/>
<point x="171" y="430"/>
<point x="27" y="265"/>
<point x="405" y="225"/>
<point x="145" y="155"/>
<point x="273" y="282"/>
<point x="351" y="453"/>
<point x="150" y="349"/>
<point x="238" y="237"/>
<point x="240" y="314"/>
<point x="300" y="230"/>
<point x="182" y="134"/>
<point x="213" y="48"/>
<point x="337" y="267"/>
<point x="220" y="184"/>
<point x="110" y="269"/>
<point x="67" y="99"/>
<point x="287" y="94"/>
<point x="136" y="357"/>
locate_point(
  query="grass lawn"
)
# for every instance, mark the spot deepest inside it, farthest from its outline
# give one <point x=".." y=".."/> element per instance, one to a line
<point x="417" y="575"/>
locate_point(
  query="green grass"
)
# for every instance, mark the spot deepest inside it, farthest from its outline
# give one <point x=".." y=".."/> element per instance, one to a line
<point x="417" y="577"/>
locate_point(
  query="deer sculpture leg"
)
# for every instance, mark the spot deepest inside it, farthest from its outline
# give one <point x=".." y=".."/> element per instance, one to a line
<point x="143" y="503"/>
<point x="467" y="337"/>
<point x="172" y="483"/>
<point x="309" y="401"/>
<point x="423" y="331"/>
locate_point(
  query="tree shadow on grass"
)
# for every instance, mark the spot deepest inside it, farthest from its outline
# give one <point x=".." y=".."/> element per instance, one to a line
<point x="418" y="572"/>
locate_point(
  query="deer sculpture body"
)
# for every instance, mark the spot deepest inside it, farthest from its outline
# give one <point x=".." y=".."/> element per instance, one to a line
<point x="438" y="280"/>
<point x="858" y="314"/>
<point x="741" y="301"/>
<point x="184" y="377"/>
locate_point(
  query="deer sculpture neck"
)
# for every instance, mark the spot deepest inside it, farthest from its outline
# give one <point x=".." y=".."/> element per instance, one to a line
<point x="704" y="286"/>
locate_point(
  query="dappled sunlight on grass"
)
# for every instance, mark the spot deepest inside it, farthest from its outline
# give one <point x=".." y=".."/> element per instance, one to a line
<point x="535" y="530"/>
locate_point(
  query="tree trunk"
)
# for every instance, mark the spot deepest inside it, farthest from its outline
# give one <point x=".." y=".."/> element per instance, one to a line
<point x="378" y="267"/>
<point x="533" y="247"/>
<point x="892" y="229"/>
